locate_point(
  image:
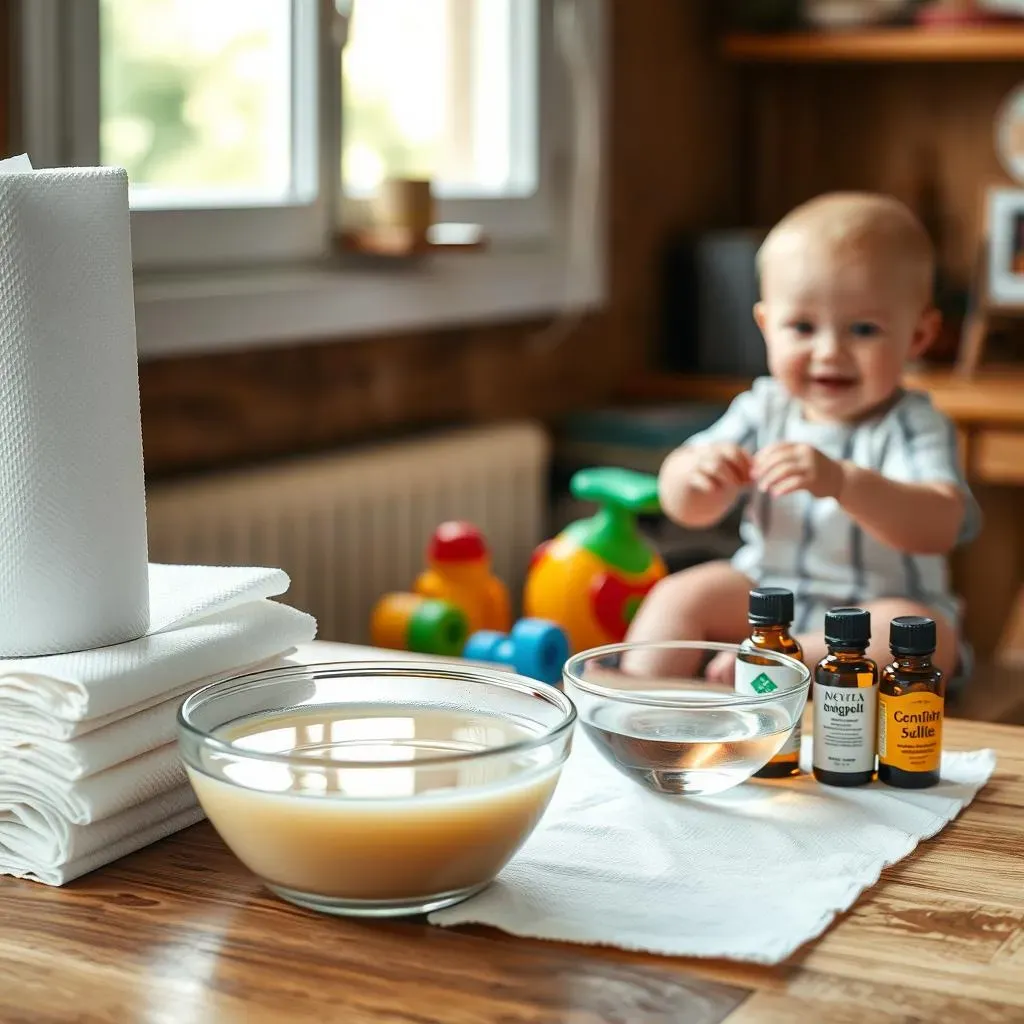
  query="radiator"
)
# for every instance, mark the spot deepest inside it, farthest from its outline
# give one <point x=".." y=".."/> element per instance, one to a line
<point x="351" y="525"/>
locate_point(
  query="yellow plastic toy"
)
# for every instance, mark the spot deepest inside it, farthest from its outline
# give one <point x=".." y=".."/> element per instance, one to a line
<point x="591" y="578"/>
<point x="460" y="572"/>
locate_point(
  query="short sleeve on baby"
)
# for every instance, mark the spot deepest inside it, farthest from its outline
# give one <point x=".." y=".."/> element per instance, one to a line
<point x="743" y="422"/>
<point x="926" y="452"/>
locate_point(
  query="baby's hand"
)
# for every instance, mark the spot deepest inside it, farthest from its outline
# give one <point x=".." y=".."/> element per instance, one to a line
<point x="784" y="468"/>
<point x="718" y="466"/>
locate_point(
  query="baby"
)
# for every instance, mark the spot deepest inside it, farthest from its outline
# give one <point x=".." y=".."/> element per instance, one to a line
<point x="855" y="495"/>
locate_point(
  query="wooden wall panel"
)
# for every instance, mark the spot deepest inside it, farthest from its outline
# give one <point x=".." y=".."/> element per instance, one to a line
<point x="6" y="76"/>
<point x="671" y="126"/>
<point x="912" y="130"/>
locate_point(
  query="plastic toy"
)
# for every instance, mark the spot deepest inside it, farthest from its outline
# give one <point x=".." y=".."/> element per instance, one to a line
<point x="412" y="622"/>
<point x="533" y="648"/>
<point x="591" y="578"/>
<point x="460" y="572"/>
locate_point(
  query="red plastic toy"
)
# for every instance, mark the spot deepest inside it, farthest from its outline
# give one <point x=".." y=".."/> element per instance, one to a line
<point x="460" y="572"/>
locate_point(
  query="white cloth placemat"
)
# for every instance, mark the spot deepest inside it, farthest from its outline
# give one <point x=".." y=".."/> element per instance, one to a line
<point x="749" y="875"/>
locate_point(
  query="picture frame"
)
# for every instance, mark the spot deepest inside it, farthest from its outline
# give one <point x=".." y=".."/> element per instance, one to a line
<point x="1005" y="245"/>
<point x="997" y="285"/>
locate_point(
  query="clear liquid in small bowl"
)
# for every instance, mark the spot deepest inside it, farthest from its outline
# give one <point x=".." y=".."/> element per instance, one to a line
<point x="696" y="750"/>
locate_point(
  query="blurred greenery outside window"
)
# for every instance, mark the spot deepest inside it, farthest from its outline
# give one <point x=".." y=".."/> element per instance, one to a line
<point x="197" y="99"/>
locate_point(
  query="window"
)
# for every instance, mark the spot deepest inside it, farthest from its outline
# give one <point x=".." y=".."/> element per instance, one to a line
<point x="251" y="128"/>
<point x="212" y="108"/>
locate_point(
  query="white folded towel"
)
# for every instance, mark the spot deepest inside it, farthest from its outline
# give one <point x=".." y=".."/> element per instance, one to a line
<point x="113" y="839"/>
<point x="94" y="797"/>
<point x="89" y="765"/>
<point x="31" y="741"/>
<point x="205" y="620"/>
<point x="36" y="844"/>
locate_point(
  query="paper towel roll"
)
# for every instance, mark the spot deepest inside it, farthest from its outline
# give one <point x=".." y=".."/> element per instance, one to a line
<point x="73" y="547"/>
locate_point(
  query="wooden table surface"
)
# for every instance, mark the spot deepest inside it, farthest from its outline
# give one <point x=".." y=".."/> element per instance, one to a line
<point x="180" y="933"/>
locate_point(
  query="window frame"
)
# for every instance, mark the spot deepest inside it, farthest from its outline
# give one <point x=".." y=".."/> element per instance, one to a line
<point x="302" y="290"/>
<point x="67" y="37"/>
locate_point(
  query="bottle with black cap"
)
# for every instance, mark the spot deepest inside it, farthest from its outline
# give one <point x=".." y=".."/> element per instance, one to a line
<point x="845" y="702"/>
<point x="911" y="699"/>
<point x="770" y="614"/>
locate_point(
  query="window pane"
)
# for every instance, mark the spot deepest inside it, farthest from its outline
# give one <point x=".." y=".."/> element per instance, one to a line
<point x="195" y="99"/>
<point x="444" y="89"/>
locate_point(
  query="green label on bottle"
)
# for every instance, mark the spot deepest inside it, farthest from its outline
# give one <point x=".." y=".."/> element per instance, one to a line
<point x="762" y="683"/>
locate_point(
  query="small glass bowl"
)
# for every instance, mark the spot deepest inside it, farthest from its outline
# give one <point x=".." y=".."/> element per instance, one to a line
<point x="656" y="715"/>
<point x="378" y="788"/>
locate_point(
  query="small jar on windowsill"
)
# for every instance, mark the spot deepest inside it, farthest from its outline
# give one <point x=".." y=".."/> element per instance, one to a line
<point x="399" y="222"/>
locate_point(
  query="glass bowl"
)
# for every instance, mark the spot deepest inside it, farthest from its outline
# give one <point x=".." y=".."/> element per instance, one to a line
<point x="377" y="788"/>
<point x="667" y="714"/>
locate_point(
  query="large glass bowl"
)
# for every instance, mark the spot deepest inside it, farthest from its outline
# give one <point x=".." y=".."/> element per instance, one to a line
<point x="667" y="714"/>
<point x="376" y="788"/>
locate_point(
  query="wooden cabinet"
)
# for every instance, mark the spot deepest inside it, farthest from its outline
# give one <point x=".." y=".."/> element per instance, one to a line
<point x="997" y="456"/>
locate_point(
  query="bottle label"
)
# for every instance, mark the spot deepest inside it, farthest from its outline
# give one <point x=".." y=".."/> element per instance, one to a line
<point x="845" y="720"/>
<point x="910" y="731"/>
<point x="760" y="679"/>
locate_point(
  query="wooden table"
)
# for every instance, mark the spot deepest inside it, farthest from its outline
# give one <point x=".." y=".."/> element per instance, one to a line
<point x="988" y="410"/>
<point x="182" y="934"/>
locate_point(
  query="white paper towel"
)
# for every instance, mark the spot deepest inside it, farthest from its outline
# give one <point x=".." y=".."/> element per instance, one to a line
<point x="750" y="875"/>
<point x="73" y="548"/>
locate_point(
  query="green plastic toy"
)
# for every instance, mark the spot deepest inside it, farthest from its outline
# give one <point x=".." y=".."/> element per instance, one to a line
<point x="591" y="578"/>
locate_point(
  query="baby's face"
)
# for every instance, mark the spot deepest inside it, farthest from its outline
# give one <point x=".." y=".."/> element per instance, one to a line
<point x="839" y="332"/>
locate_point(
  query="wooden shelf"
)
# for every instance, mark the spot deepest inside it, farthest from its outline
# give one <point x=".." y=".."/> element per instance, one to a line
<point x="399" y="243"/>
<point x="993" y="397"/>
<point x="910" y="45"/>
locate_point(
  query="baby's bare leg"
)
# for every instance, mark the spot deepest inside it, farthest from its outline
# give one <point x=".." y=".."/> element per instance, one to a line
<point x="706" y="602"/>
<point x="883" y="611"/>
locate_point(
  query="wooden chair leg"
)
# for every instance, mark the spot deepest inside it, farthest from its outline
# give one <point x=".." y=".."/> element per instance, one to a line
<point x="972" y="344"/>
<point x="1011" y="644"/>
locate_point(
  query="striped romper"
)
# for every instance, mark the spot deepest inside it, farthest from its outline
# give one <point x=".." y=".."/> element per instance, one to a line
<point x="810" y="545"/>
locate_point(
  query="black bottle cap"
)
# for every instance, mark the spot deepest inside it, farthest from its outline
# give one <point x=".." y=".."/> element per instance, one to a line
<point x="912" y="634"/>
<point x="847" y="627"/>
<point x="770" y="606"/>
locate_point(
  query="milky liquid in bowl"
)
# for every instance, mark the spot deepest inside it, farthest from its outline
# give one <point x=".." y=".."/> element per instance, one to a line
<point x="695" y="749"/>
<point x="411" y="833"/>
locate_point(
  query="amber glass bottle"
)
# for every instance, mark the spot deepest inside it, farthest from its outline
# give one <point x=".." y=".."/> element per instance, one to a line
<point x="770" y="614"/>
<point x="845" y="702"/>
<point x="911" y="699"/>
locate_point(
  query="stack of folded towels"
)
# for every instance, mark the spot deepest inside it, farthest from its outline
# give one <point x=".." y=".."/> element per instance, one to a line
<point x="89" y="768"/>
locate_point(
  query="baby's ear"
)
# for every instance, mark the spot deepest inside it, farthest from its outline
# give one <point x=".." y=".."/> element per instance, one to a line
<point x="760" y="315"/>
<point x="926" y="332"/>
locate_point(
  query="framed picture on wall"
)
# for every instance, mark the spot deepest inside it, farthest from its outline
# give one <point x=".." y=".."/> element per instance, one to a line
<point x="997" y="287"/>
<point x="1005" y="223"/>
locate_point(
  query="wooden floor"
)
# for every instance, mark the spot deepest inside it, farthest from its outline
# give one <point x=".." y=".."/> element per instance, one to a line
<point x="995" y="694"/>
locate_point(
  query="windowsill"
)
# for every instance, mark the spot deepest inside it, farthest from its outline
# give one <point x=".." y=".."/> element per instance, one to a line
<point x="192" y="315"/>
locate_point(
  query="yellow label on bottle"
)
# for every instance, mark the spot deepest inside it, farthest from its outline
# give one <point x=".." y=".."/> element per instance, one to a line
<point x="910" y="731"/>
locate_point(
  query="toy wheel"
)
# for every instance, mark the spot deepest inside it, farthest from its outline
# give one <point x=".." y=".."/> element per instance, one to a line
<point x="541" y="649"/>
<point x="483" y="645"/>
